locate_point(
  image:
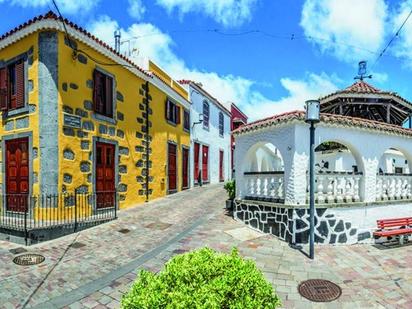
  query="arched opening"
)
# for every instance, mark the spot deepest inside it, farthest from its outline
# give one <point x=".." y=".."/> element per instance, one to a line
<point x="393" y="161"/>
<point x="338" y="173"/>
<point x="394" y="181"/>
<point x="264" y="173"/>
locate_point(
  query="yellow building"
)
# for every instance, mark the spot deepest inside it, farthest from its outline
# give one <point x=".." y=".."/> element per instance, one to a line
<point x="80" y="117"/>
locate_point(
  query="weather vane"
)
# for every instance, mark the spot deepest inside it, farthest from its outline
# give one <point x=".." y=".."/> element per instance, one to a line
<point x="362" y="71"/>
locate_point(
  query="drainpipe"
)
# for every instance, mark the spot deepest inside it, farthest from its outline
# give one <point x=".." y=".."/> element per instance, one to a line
<point x="147" y="141"/>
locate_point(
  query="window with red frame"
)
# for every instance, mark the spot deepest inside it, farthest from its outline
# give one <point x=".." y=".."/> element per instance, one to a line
<point x="103" y="93"/>
<point x="12" y="86"/>
<point x="172" y="112"/>
<point x="186" y="120"/>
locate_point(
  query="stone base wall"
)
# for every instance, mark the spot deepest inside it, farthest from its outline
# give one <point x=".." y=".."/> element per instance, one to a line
<point x="339" y="225"/>
<point x="277" y="221"/>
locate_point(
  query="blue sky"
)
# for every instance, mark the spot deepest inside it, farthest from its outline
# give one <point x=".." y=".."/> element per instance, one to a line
<point x="264" y="72"/>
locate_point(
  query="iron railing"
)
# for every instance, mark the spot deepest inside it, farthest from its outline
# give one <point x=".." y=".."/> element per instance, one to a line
<point x="25" y="213"/>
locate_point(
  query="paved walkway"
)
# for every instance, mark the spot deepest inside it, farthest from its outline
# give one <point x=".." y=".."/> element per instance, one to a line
<point x="103" y="262"/>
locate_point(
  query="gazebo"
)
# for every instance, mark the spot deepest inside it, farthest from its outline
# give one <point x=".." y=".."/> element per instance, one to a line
<point x="364" y="157"/>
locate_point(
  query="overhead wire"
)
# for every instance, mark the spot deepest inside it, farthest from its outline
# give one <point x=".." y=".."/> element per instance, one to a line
<point x="392" y="38"/>
<point x="76" y="50"/>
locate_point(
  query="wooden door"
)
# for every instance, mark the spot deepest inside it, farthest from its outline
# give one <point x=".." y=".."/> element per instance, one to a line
<point x="221" y="172"/>
<point x="172" y="168"/>
<point x="185" y="168"/>
<point x="17" y="174"/>
<point x="196" y="163"/>
<point x="105" y="175"/>
<point x="205" y="163"/>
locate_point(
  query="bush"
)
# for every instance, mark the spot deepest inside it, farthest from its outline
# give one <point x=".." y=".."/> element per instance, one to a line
<point x="203" y="279"/>
<point x="230" y="188"/>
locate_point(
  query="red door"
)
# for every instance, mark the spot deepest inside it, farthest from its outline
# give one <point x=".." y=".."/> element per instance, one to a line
<point x="185" y="168"/>
<point x="205" y="163"/>
<point x="171" y="168"/>
<point x="221" y="173"/>
<point x="17" y="174"/>
<point x="196" y="161"/>
<point x="105" y="175"/>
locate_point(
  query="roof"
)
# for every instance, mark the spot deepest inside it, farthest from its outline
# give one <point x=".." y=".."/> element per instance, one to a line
<point x="362" y="88"/>
<point x="237" y="119"/>
<point x="233" y="105"/>
<point x="324" y="118"/>
<point x="44" y="22"/>
<point x="200" y="88"/>
<point x="362" y="100"/>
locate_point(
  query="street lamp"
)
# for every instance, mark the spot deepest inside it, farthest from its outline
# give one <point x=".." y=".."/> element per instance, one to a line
<point x="312" y="117"/>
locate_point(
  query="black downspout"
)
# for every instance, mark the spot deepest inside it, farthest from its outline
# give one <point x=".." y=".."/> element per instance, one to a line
<point x="147" y="140"/>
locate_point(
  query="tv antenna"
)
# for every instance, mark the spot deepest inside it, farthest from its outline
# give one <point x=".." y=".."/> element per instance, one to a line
<point x="362" y="71"/>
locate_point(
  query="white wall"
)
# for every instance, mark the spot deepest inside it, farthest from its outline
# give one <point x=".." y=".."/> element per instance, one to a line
<point x="292" y="140"/>
<point x="209" y="137"/>
<point x="339" y="161"/>
<point x="392" y="159"/>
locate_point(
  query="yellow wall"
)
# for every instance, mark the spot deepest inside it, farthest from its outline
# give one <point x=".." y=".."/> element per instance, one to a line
<point x="74" y="73"/>
<point x="13" y="124"/>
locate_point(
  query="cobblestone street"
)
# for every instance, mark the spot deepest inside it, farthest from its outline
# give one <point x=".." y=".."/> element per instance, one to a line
<point x="103" y="262"/>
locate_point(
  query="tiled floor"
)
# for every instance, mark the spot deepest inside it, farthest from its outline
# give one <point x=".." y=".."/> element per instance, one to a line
<point x="97" y="274"/>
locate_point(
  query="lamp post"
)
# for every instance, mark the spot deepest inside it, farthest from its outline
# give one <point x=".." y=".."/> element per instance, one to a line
<point x="312" y="117"/>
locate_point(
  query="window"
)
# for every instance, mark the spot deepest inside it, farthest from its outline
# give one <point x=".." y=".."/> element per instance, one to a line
<point x="186" y="120"/>
<point x="221" y="124"/>
<point x="12" y="86"/>
<point x="172" y="112"/>
<point x="206" y="115"/>
<point x="103" y="94"/>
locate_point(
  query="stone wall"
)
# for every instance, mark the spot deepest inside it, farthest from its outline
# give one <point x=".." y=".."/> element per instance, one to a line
<point x="277" y="221"/>
<point x="336" y="225"/>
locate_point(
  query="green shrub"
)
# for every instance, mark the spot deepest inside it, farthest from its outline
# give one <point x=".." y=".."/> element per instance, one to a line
<point x="230" y="188"/>
<point x="203" y="279"/>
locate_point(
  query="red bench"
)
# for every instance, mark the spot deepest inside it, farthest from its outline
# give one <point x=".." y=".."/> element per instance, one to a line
<point x="394" y="227"/>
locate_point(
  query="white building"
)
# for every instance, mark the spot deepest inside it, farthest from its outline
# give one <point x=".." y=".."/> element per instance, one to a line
<point x="362" y="168"/>
<point x="210" y="151"/>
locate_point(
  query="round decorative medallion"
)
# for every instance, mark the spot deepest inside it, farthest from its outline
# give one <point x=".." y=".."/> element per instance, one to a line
<point x="29" y="259"/>
<point x="319" y="290"/>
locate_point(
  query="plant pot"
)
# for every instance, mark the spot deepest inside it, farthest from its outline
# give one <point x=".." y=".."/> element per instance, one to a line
<point x="229" y="204"/>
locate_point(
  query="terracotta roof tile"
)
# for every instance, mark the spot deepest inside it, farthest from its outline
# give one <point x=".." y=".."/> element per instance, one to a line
<point x="53" y="16"/>
<point x="325" y="118"/>
<point x="362" y="87"/>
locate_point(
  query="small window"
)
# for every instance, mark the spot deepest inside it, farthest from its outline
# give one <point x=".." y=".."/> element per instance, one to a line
<point x="398" y="170"/>
<point x="103" y="94"/>
<point x="186" y="120"/>
<point x="206" y="115"/>
<point x="12" y="86"/>
<point x="221" y="124"/>
<point x="172" y="112"/>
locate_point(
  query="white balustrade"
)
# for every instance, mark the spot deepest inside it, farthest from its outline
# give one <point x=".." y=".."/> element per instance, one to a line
<point x="264" y="186"/>
<point x="338" y="187"/>
<point x="393" y="187"/>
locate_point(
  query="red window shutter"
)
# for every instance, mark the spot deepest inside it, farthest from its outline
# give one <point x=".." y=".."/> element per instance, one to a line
<point x="109" y="96"/>
<point x="3" y="89"/>
<point x="20" y="89"/>
<point x="177" y="114"/>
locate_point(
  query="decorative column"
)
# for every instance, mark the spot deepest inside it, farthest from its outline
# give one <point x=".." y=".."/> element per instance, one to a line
<point x="368" y="188"/>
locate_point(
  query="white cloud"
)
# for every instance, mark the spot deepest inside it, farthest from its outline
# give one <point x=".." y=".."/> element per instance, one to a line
<point x="312" y="86"/>
<point x="230" y="13"/>
<point x="65" y="6"/>
<point x="136" y="9"/>
<point x="159" y="47"/>
<point x="402" y="47"/>
<point x="337" y="27"/>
